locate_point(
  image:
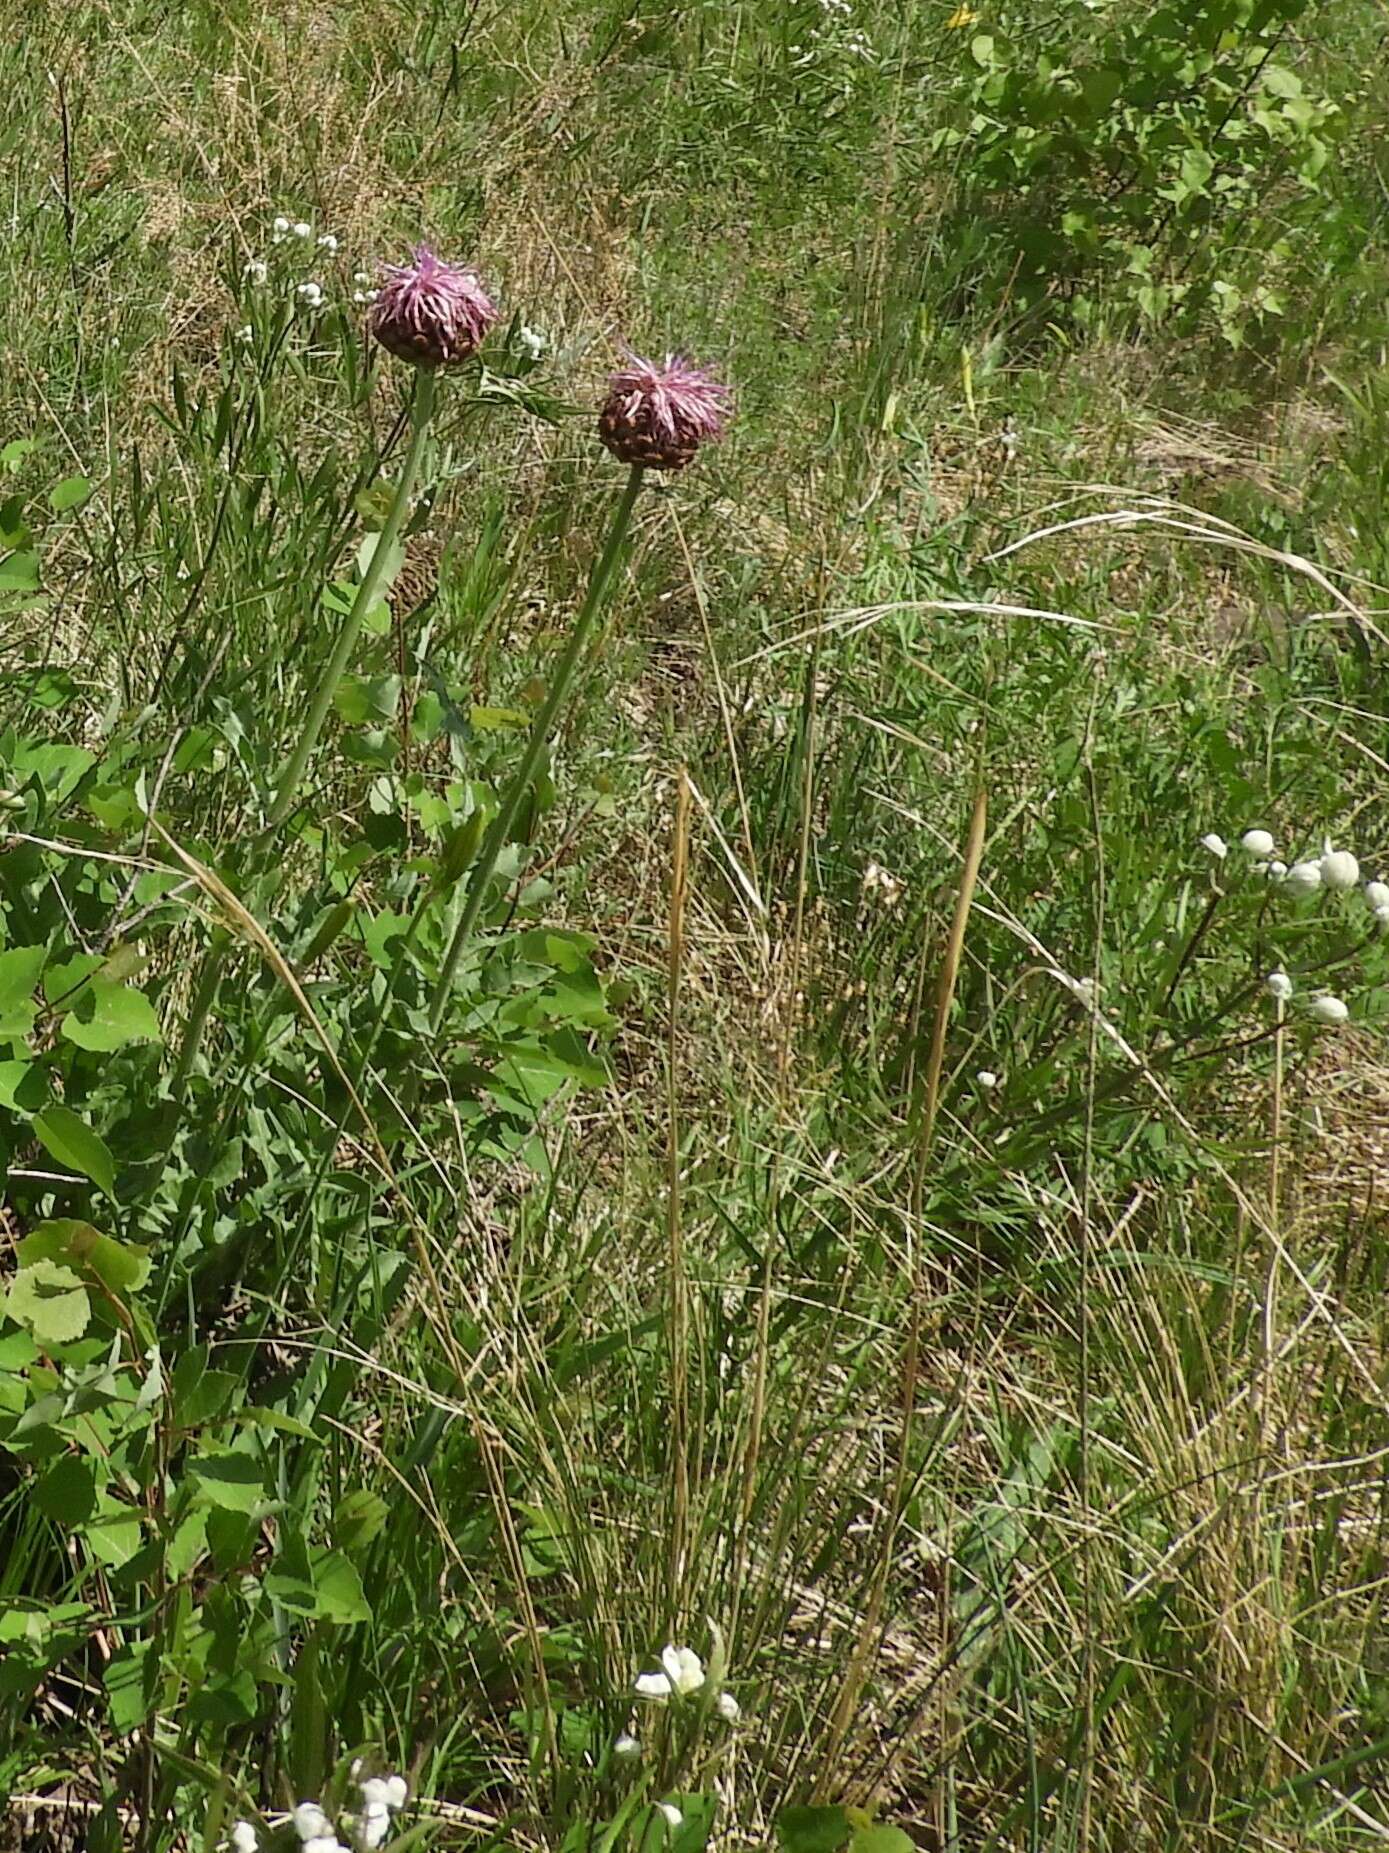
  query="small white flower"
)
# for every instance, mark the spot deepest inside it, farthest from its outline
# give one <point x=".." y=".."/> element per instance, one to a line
<point x="670" y="1814"/>
<point x="728" y="1707"/>
<point x="1327" y="1009"/>
<point x="1257" y="843"/>
<point x="1278" y="984"/>
<point x="328" y="243"/>
<point x="374" y="1825"/>
<point x="361" y="276"/>
<point x="245" y="332"/>
<point x="1217" y="845"/>
<point x="374" y="1792"/>
<point x="626" y="1746"/>
<point x="684" y="1669"/>
<point x="987" y="1079"/>
<point x="1339" y="869"/>
<point x="324" y="1843"/>
<point x="652" y="1686"/>
<point x="1303" y="878"/>
<point x="256" y="271"/>
<point x="302" y="229"/>
<point x="372" y="295"/>
<point x="279" y="226"/>
<point x="1376" y="895"/>
<point x="397" y="1792"/>
<point x="532" y="341"/>
<point x="244" y="1837"/>
<point x="310" y="294"/>
<point x="1276" y="870"/>
<point x="310" y="1822"/>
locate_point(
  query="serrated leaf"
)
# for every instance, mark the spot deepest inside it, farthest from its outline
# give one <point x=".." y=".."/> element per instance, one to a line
<point x="70" y="1140"/>
<point x="49" y="1301"/>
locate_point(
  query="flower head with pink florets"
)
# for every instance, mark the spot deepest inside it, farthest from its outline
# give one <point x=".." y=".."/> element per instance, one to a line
<point x="658" y="416"/>
<point x="431" y="313"/>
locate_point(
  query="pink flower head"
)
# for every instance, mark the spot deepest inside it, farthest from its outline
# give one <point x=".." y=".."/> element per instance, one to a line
<point x="659" y="416"/>
<point x="432" y="313"/>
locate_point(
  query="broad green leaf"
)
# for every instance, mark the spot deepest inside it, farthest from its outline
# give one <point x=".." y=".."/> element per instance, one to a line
<point x="66" y="1493"/>
<point x="129" y="1683"/>
<point x="19" y="572"/>
<point x="23" y="1087"/>
<point x="121" y="1267"/>
<point x="114" y="1531"/>
<point x="235" y="1482"/>
<point x="360" y="1518"/>
<point x="49" y="1301"/>
<point x="338" y="1590"/>
<point x="391" y="565"/>
<point x="19" y="973"/>
<point x="187" y="1545"/>
<point x="73" y="1143"/>
<point x="16" y="1350"/>
<point x="1281" y="81"/>
<point x="71" y="492"/>
<point x="881" y="1840"/>
<point x="367" y="699"/>
<point x="108" y="1016"/>
<point x="812" y="1830"/>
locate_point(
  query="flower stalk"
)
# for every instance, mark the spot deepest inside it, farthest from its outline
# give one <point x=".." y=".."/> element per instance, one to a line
<point x="486" y="864"/>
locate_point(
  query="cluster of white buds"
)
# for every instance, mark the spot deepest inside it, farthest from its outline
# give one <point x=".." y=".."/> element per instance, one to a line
<point x="1324" y="1008"/>
<point x="532" y="341"/>
<point x="255" y="270"/>
<point x="364" y="292"/>
<point x="682" y="1675"/>
<point x="311" y="295"/>
<point x="877" y="880"/>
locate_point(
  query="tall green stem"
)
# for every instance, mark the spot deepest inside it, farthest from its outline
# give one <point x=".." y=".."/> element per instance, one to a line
<point x="220" y="944"/>
<point x="485" y="867"/>
<point x="361" y="605"/>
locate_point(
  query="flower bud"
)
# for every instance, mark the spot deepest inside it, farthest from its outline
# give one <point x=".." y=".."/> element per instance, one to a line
<point x="1257" y="843"/>
<point x="1217" y="845"/>
<point x="1279" y="985"/>
<point x="1376" y="895"/>
<point x="658" y="416"/>
<point x="1330" y="1010"/>
<point x="1303" y="878"/>
<point x="431" y="313"/>
<point x="1339" y="869"/>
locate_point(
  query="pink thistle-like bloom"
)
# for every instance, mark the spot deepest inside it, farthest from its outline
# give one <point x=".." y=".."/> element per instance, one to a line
<point x="431" y="313"/>
<point x="659" y="416"/>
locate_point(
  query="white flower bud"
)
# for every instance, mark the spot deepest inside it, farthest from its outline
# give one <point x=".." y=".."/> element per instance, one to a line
<point x="683" y="1668"/>
<point x="244" y="1837"/>
<point x="1330" y="1010"/>
<point x="1217" y="845"/>
<point x="1339" y="869"/>
<point x="310" y="1822"/>
<point x="728" y="1707"/>
<point x="328" y="243"/>
<point x="626" y="1746"/>
<point x="302" y="229"/>
<point x="670" y="1814"/>
<point x="1303" y="878"/>
<point x="1376" y="895"/>
<point x="1382" y="915"/>
<point x="1278" y="984"/>
<point x="256" y="271"/>
<point x="397" y="1792"/>
<point x="987" y="1079"/>
<point x="1257" y="843"/>
<point x="1276" y="870"/>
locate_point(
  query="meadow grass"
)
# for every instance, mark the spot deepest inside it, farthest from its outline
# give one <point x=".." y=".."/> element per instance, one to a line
<point x="861" y="1215"/>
